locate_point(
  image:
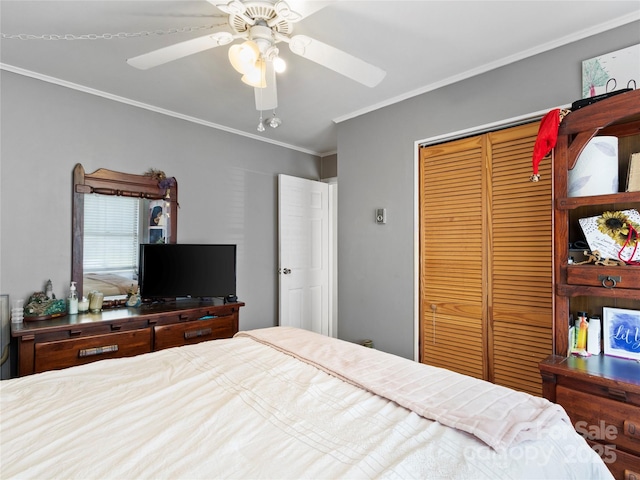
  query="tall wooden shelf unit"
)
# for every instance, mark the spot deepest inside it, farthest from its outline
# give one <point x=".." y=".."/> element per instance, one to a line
<point x="598" y="390"/>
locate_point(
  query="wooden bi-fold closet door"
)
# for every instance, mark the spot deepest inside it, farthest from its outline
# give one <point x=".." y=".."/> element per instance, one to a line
<point x="485" y="258"/>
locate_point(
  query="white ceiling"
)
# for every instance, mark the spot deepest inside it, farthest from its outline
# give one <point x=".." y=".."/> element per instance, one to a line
<point x="421" y="44"/>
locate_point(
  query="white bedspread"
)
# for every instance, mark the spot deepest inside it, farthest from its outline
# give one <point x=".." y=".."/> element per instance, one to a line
<point x="238" y="408"/>
<point x="499" y="416"/>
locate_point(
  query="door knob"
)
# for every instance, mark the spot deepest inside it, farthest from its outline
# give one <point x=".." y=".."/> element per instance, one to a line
<point x="286" y="271"/>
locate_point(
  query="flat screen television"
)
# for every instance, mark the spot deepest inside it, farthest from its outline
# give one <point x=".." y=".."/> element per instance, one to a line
<point x="186" y="270"/>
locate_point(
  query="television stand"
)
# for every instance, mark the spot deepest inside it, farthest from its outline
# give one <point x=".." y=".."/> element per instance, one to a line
<point x="120" y="332"/>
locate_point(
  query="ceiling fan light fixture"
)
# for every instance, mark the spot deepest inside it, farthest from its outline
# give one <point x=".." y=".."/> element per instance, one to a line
<point x="256" y="76"/>
<point x="279" y="65"/>
<point x="243" y="57"/>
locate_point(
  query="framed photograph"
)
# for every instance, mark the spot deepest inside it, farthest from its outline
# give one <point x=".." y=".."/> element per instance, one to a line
<point x="621" y="332"/>
<point x="156" y="213"/>
<point x="156" y="235"/>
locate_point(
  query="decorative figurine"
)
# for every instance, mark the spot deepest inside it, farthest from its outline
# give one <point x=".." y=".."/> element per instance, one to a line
<point x="41" y="307"/>
<point x="133" y="300"/>
<point x="48" y="290"/>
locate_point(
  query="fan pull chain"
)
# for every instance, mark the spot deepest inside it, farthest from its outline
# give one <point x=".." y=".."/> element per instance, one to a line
<point x="107" y="36"/>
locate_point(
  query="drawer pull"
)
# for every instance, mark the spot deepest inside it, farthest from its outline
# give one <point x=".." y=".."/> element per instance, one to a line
<point x="632" y="429"/>
<point x="203" y="332"/>
<point x="90" y="352"/>
<point x="629" y="475"/>
<point x="609" y="281"/>
<point x="619" y="395"/>
<point x="116" y="327"/>
<point x="183" y="317"/>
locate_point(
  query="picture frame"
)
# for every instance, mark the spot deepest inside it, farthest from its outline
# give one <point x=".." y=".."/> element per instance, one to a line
<point x="610" y="72"/>
<point x="633" y="173"/>
<point x="621" y="332"/>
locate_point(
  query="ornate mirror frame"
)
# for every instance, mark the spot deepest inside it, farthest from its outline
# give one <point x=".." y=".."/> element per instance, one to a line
<point x="109" y="182"/>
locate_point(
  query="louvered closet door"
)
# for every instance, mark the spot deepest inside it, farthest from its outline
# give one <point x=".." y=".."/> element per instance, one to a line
<point x="451" y="275"/>
<point x="485" y="264"/>
<point x="520" y="260"/>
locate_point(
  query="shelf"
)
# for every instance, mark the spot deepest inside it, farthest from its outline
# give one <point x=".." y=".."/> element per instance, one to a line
<point x="599" y="368"/>
<point x="570" y="203"/>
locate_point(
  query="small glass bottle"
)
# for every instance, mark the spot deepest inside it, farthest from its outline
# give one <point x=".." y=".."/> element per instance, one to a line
<point x="582" y="326"/>
<point x="73" y="299"/>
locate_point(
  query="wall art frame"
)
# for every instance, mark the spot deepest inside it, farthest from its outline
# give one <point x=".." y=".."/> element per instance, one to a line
<point x="621" y="332"/>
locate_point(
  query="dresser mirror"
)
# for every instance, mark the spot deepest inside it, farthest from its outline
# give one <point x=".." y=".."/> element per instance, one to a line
<point x="113" y="212"/>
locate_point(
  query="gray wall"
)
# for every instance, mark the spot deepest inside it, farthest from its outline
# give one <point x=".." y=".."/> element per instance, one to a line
<point x="376" y="169"/>
<point x="227" y="184"/>
<point x="329" y="166"/>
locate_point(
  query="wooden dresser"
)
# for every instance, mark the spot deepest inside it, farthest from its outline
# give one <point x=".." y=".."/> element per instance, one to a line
<point x="600" y="393"/>
<point x="121" y="332"/>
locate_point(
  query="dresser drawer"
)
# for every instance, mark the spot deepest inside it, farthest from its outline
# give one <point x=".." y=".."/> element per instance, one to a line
<point x="622" y="465"/>
<point x="607" y="421"/>
<point x="599" y="276"/>
<point x="67" y="353"/>
<point x="196" y="331"/>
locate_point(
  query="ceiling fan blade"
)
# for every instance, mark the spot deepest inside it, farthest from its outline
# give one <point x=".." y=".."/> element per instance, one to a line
<point x="267" y="98"/>
<point x="336" y="60"/>
<point x="305" y="7"/>
<point x="179" y="50"/>
<point x="233" y="7"/>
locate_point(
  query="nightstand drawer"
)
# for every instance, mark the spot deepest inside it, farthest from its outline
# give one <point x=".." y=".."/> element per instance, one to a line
<point x="601" y="419"/>
<point x="67" y="353"/>
<point x="196" y="331"/>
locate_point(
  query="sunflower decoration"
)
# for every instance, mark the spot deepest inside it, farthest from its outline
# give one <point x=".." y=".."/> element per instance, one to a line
<point x="617" y="226"/>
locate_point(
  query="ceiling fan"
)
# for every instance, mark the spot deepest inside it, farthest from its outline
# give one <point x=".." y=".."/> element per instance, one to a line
<point x="263" y="24"/>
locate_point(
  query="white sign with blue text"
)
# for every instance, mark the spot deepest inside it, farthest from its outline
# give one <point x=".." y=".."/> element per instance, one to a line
<point x="621" y="332"/>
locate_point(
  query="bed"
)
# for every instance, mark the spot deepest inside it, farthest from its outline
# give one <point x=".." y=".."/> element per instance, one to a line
<point x="280" y="403"/>
<point x="109" y="284"/>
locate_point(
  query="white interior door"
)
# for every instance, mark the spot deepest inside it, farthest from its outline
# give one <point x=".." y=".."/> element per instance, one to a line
<point x="303" y="229"/>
